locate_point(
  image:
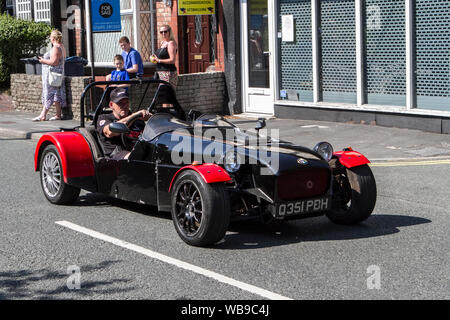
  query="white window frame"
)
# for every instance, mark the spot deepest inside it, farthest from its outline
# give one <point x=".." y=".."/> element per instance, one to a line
<point x="135" y="12"/>
<point x="23" y="9"/>
<point x="39" y="11"/>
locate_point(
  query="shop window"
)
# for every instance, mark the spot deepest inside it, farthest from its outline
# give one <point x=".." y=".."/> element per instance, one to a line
<point x="295" y="71"/>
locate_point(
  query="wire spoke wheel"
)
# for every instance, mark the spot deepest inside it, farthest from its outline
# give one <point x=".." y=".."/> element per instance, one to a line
<point x="52" y="178"/>
<point x="51" y="174"/>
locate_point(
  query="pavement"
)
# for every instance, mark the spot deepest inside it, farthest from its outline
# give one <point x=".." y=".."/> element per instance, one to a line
<point x="375" y="142"/>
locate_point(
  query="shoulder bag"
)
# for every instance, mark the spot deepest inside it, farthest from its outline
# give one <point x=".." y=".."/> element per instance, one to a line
<point x="55" y="79"/>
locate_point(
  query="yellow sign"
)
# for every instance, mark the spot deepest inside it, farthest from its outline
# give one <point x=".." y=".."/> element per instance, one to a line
<point x="258" y="7"/>
<point x="195" y="7"/>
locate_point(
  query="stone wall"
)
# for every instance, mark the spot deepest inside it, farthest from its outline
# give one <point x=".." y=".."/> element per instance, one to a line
<point x="204" y="92"/>
<point x="26" y="93"/>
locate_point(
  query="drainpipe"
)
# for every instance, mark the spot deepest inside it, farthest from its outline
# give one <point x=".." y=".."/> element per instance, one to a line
<point x="152" y="25"/>
<point x="82" y="31"/>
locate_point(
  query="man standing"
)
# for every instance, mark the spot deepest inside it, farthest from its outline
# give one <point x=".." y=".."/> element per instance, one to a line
<point x="120" y="105"/>
<point x="132" y="58"/>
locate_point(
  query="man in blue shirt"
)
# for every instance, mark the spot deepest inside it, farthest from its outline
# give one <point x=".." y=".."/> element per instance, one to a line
<point x="132" y="58"/>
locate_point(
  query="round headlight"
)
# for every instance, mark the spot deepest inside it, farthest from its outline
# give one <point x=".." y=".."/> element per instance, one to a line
<point x="231" y="162"/>
<point x="325" y="150"/>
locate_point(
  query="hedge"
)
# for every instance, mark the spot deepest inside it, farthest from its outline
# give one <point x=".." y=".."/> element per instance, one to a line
<point x="19" y="39"/>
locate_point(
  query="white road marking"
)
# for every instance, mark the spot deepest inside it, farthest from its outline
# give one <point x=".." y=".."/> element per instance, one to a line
<point x="178" y="263"/>
<point x="314" y="126"/>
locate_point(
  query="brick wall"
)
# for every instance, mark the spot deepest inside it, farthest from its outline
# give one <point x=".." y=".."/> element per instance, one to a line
<point x="204" y="92"/>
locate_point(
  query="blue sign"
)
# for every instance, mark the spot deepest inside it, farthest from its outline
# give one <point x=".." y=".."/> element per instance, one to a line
<point x="105" y="15"/>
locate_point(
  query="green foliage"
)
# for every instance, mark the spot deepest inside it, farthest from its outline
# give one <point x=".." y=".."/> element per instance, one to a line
<point x="19" y="39"/>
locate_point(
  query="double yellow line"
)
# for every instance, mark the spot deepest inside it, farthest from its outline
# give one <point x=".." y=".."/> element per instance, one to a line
<point x="410" y="163"/>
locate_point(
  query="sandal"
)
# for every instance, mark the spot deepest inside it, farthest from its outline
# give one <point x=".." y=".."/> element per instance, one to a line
<point x="54" y="118"/>
<point x="38" y="118"/>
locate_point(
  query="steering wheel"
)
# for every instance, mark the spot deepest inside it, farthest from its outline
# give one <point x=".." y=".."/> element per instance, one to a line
<point x="129" y="139"/>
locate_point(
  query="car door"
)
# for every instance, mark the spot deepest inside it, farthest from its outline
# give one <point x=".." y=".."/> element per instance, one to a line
<point x="136" y="179"/>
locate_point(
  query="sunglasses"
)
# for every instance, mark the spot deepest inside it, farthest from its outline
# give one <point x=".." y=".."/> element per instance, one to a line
<point x="164" y="31"/>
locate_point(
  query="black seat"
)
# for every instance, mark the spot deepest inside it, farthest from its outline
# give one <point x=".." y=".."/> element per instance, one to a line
<point x="91" y="135"/>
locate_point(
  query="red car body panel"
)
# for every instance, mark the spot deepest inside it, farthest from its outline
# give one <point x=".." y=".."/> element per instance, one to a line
<point x="74" y="151"/>
<point x="350" y="159"/>
<point x="210" y="173"/>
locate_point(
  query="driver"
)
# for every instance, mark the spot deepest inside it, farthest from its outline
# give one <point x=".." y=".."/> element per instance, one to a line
<point x="120" y="105"/>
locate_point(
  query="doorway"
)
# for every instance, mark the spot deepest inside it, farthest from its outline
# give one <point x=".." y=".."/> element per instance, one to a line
<point x="201" y="39"/>
<point x="257" y="24"/>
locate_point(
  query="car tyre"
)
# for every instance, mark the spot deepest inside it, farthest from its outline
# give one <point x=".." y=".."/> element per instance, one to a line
<point x="52" y="179"/>
<point x="355" y="195"/>
<point x="200" y="211"/>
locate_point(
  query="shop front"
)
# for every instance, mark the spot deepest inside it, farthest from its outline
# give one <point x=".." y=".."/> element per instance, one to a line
<point x="366" y="59"/>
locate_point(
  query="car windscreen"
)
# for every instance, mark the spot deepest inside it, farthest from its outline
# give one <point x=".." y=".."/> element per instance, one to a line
<point x="160" y="123"/>
<point x="212" y="120"/>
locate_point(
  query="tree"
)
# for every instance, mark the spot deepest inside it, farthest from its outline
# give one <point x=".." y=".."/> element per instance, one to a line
<point x="19" y="39"/>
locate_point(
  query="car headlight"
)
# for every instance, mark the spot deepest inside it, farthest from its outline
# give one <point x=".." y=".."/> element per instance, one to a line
<point x="231" y="162"/>
<point x="324" y="149"/>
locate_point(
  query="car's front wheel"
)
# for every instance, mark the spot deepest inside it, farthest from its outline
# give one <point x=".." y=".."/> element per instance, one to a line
<point x="200" y="211"/>
<point x="52" y="179"/>
<point x="354" y="195"/>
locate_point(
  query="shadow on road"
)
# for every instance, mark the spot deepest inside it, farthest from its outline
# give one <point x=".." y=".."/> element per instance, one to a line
<point x="101" y="200"/>
<point x="31" y="284"/>
<point x="252" y="235"/>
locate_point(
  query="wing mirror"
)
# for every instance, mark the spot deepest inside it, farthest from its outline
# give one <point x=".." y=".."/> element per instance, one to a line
<point x="260" y="124"/>
<point x="118" y="127"/>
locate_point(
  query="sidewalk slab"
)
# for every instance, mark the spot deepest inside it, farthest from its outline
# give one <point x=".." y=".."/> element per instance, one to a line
<point x="20" y="125"/>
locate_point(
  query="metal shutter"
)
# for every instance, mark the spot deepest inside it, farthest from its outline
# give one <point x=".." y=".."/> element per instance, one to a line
<point x="433" y="54"/>
<point x="385" y="52"/>
<point x="338" y="42"/>
<point x="295" y="68"/>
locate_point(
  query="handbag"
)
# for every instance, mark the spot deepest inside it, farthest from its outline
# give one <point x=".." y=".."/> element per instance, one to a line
<point x="55" y="79"/>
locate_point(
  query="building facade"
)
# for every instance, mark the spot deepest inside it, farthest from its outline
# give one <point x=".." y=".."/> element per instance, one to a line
<point x="347" y="60"/>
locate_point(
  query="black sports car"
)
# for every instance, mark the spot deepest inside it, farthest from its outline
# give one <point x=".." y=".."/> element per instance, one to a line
<point x="205" y="170"/>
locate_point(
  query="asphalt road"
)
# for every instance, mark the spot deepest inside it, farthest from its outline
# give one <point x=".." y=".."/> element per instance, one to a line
<point x="406" y="240"/>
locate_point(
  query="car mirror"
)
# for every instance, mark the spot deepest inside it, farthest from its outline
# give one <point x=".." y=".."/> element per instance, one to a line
<point x="118" y="127"/>
<point x="260" y="124"/>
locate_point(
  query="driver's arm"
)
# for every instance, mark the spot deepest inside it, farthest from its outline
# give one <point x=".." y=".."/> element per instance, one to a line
<point x="145" y="115"/>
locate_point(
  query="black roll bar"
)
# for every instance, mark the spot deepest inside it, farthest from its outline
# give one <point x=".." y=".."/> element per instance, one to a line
<point x="100" y="83"/>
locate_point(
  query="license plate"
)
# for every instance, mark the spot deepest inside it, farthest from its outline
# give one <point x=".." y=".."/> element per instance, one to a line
<point x="303" y="206"/>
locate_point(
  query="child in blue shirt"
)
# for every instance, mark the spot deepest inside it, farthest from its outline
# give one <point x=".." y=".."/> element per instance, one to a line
<point x="120" y="74"/>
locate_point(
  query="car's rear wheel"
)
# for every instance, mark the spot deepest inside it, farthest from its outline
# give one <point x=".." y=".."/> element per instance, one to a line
<point x="52" y="178"/>
<point x="355" y="195"/>
<point x="200" y="211"/>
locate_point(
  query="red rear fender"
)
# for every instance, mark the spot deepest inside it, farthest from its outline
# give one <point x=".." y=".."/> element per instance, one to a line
<point x="350" y="159"/>
<point x="74" y="151"/>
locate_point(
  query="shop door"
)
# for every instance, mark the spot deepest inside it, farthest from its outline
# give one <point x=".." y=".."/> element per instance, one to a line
<point x="199" y="43"/>
<point x="257" y="59"/>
